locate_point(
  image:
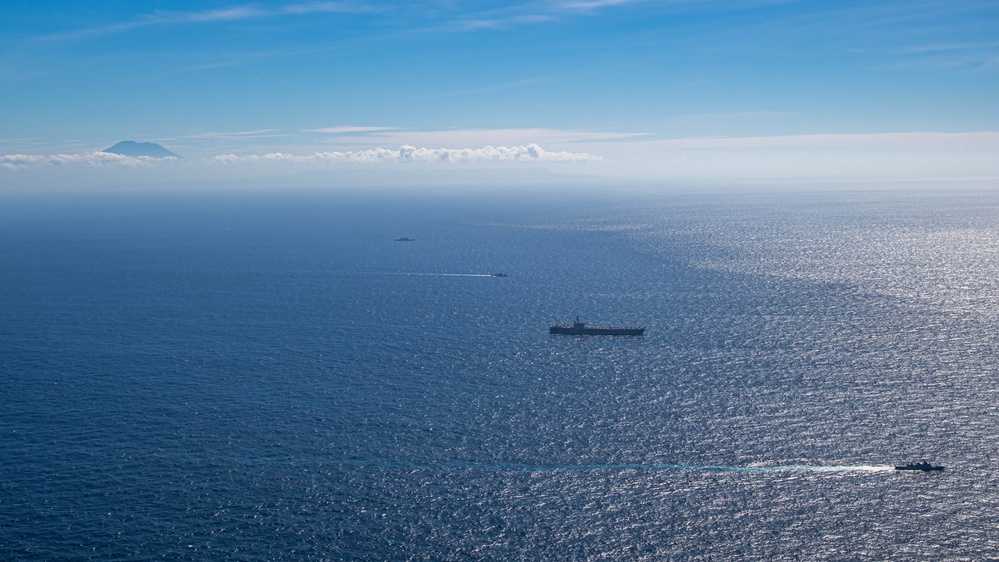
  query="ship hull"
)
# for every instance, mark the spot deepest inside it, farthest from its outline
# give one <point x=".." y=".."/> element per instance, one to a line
<point x="595" y="331"/>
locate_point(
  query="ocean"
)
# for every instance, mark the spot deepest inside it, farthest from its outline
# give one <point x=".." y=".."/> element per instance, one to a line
<point x="272" y="376"/>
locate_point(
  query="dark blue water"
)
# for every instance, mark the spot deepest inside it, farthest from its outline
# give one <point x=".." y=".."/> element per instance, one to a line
<point x="271" y="376"/>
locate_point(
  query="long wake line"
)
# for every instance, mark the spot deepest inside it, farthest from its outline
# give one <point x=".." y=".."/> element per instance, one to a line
<point x="504" y="467"/>
<point x="426" y="274"/>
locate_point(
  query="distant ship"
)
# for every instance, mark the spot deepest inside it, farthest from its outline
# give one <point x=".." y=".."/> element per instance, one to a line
<point x="498" y="274"/>
<point x="922" y="466"/>
<point x="404" y="239"/>
<point x="581" y="329"/>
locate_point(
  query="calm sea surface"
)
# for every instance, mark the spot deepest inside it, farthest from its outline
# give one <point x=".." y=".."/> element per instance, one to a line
<point x="266" y="377"/>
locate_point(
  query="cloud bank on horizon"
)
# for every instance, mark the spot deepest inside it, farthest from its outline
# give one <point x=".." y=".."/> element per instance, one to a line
<point x="939" y="156"/>
<point x="529" y="153"/>
<point x="15" y="162"/>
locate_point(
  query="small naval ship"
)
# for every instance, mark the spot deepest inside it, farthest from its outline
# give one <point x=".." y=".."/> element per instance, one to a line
<point x="498" y="274"/>
<point x="921" y="466"/>
<point x="405" y="239"/>
<point x="581" y="329"/>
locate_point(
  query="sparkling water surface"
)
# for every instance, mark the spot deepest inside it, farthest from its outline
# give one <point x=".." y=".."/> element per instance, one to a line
<point x="272" y="376"/>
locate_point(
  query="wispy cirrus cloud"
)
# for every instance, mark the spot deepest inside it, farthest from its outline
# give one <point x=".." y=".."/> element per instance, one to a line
<point x="345" y="129"/>
<point x="392" y="136"/>
<point x="230" y="14"/>
<point x="532" y="13"/>
<point x="462" y="17"/>
<point x="949" y="56"/>
<point x="554" y="10"/>
<point x="493" y="21"/>
<point x="948" y="47"/>
<point x="587" y="5"/>
<point x="893" y="27"/>
<point x="236" y="135"/>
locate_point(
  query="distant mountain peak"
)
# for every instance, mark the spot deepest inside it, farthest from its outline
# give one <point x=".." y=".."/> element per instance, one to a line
<point x="132" y="148"/>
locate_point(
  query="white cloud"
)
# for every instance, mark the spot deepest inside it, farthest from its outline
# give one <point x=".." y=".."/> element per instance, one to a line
<point x="528" y="153"/>
<point x="94" y="159"/>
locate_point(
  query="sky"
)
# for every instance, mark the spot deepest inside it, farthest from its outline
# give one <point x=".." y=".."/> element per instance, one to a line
<point x="667" y="90"/>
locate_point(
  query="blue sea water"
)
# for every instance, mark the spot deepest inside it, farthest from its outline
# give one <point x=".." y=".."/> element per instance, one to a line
<point x="272" y="377"/>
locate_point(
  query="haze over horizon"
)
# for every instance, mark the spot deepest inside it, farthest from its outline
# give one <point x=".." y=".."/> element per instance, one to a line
<point x="725" y="90"/>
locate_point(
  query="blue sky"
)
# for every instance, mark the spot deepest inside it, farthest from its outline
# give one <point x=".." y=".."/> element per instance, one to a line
<point x="659" y="89"/>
